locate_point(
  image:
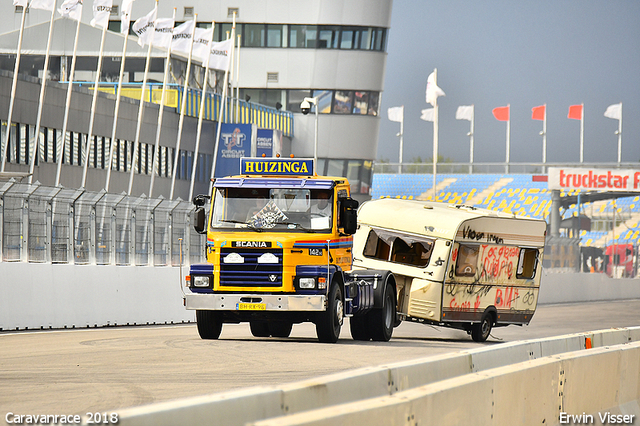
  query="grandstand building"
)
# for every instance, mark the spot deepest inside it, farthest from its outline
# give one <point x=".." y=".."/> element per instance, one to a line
<point x="331" y="50"/>
<point x="583" y="227"/>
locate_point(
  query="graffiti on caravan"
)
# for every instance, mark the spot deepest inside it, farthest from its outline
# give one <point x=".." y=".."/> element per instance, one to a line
<point x="594" y="179"/>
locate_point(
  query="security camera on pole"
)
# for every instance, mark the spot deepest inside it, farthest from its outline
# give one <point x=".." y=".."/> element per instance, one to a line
<point x="305" y="108"/>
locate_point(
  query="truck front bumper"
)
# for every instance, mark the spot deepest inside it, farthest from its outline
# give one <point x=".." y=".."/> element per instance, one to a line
<point x="272" y="302"/>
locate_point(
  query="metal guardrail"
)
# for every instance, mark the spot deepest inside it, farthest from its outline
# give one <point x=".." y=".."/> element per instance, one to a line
<point x="44" y="224"/>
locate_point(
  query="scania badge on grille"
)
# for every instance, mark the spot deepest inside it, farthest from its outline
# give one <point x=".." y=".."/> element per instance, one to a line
<point x="273" y="278"/>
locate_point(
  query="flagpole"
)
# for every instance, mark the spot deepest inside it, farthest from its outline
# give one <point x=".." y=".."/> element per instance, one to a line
<point x="183" y="104"/>
<point x="544" y="139"/>
<point x="43" y="84"/>
<point x="508" y="138"/>
<point x="401" y="141"/>
<point x="200" y="116"/>
<point x="582" y="133"/>
<point x="220" y="118"/>
<point x="237" y="109"/>
<point x="60" y="149"/>
<point x="473" y="112"/>
<point x="619" y="132"/>
<point x="156" y="148"/>
<point x="88" y="145"/>
<point x="13" y="88"/>
<point x="435" y="136"/>
<point x="109" y="164"/>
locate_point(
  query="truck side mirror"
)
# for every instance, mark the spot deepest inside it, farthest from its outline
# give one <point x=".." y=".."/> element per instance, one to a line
<point x="200" y="200"/>
<point x="349" y="215"/>
<point x="200" y="220"/>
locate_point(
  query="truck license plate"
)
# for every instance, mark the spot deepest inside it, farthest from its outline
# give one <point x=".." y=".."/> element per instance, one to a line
<point x="252" y="306"/>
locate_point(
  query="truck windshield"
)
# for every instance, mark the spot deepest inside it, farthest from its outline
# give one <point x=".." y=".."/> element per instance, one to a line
<point x="277" y="209"/>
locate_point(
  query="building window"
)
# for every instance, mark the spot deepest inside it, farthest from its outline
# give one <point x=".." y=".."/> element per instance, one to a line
<point x="275" y="35"/>
<point x="303" y="36"/>
<point x="360" y="101"/>
<point x="254" y="35"/>
<point x="343" y="101"/>
<point x="325" y="98"/>
<point x="328" y="37"/>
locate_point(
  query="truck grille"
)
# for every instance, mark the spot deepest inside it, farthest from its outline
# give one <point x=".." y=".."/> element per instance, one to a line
<point x="250" y="272"/>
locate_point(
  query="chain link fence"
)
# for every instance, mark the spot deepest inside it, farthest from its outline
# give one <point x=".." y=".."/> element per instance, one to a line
<point x="44" y="224"/>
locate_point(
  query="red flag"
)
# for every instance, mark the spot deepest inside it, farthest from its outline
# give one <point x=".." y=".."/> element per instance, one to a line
<point x="537" y="113"/>
<point x="575" y="112"/>
<point x="501" y="113"/>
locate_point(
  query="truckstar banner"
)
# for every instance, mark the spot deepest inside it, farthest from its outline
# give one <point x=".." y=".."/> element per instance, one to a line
<point x="594" y="179"/>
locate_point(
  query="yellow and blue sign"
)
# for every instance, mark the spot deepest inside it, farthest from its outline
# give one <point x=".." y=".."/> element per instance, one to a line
<point x="277" y="166"/>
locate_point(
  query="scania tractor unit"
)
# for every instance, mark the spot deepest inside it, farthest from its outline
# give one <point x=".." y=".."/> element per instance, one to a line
<point x="279" y="252"/>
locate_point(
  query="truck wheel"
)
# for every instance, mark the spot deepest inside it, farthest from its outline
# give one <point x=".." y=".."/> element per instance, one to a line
<point x="259" y="328"/>
<point x="381" y="320"/>
<point x="329" y="323"/>
<point x="481" y="331"/>
<point x="359" y="328"/>
<point x="209" y="324"/>
<point x="280" y="328"/>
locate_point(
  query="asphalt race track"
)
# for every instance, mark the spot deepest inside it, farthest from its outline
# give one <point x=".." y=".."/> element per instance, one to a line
<point x="103" y="370"/>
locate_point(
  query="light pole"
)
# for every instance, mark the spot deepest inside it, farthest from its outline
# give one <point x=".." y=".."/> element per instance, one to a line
<point x="305" y="107"/>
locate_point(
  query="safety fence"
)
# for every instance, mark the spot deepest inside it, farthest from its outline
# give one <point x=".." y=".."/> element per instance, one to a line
<point x="44" y="224"/>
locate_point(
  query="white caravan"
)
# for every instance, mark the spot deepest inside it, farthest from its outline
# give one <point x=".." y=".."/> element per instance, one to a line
<point x="454" y="265"/>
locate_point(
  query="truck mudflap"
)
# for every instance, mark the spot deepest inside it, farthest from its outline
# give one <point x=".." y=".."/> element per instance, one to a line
<point x="255" y="302"/>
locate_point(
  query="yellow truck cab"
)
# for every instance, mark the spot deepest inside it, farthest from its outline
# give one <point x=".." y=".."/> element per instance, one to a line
<point x="454" y="265"/>
<point x="279" y="252"/>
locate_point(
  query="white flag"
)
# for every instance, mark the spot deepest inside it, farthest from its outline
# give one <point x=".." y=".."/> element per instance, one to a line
<point x="163" y="32"/>
<point x="71" y="9"/>
<point x="433" y="91"/>
<point x="427" y="114"/>
<point x="396" y="114"/>
<point x="43" y="4"/>
<point x="143" y="27"/>
<point x="201" y="41"/>
<point x="614" y="111"/>
<point x="181" y="41"/>
<point x="220" y="55"/>
<point x="101" y="12"/>
<point x="22" y="3"/>
<point x="125" y="16"/>
<point x="465" y="112"/>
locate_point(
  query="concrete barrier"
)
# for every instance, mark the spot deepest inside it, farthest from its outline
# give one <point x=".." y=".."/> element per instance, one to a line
<point x="546" y="391"/>
<point x="578" y="287"/>
<point x="352" y="392"/>
<point x="35" y="296"/>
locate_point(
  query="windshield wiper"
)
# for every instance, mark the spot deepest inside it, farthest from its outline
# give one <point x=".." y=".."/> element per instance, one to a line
<point x="249" y="225"/>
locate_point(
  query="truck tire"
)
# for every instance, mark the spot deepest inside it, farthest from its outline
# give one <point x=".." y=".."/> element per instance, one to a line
<point x="329" y="323"/>
<point x="359" y="326"/>
<point x="209" y="324"/>
<point x="382" y="320"/>
<point x="481" y="331"/>
<point x="259" y="328"/>
<point x="280" y="328"/>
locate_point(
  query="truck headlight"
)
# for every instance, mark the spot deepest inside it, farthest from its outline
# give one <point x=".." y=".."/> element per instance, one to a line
<point x="200" y="281"/>
<point x="307" y="283"/>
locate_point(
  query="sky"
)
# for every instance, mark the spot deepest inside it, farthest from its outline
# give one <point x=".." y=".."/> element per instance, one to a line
<point x="525" y="53"/>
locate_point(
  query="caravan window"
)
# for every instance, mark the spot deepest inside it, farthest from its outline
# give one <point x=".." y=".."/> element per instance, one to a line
<point x="527" y="263"/>
<point x="467" y="261"/>
<point x="398" y="248"/>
